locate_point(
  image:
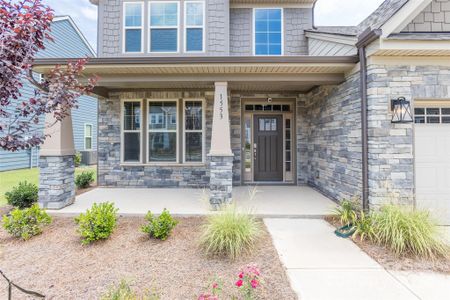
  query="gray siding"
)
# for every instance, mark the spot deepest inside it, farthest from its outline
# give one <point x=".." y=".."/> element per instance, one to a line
<point x="67" y="44"/>
<point x="434" y="18"/>
<point x="327" y="48"/>
<point x="296" y="21"/>
<point x="228" y="31"/>
<point x="110" y="35"/>
<point x="241" y="31"/>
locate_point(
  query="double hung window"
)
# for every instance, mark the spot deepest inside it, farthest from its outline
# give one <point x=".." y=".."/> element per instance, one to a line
<point x="194" y="26"/>
<point x="87" y="136"/>
<point x="163" y="26"/>
<point x="131" y="131"/>
<point x="193" y="131"/>
<point x="162" y="131"/>
<point x="133" y="27"/>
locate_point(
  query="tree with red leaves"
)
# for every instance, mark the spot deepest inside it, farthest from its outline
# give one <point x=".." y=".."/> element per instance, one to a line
<point x="24" y="28"/>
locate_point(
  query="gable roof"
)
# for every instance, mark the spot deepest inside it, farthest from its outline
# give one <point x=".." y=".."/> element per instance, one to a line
<point x="77" y="30"/>
<point x="381" y="15"/>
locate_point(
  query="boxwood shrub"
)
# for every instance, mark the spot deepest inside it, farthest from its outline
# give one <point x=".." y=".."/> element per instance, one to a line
<point x="23" y="195"/>
<point x="97" y="223"/>
<point x="26" y="223"/>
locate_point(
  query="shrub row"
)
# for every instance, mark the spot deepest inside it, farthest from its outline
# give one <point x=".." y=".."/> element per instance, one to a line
<point x="401" y="229"/>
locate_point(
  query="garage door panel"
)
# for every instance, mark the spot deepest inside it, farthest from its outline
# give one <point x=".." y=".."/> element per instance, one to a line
<point x="432" y="167"/>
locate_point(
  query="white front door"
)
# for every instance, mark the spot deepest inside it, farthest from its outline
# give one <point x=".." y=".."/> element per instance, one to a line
<point x="432" y="161"/>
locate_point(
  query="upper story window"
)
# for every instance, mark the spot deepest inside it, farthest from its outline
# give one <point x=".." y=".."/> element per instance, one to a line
<point x="133" y="27"/>
<point x="268" y="24"/>
<point x="194" y="18"/>
<point x="164" y="21"/>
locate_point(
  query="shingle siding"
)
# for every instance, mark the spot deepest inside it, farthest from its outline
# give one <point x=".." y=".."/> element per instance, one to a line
<point x="435" y="18"/>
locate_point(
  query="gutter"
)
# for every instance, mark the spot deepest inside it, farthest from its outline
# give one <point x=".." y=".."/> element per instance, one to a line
<point x="366" y="38"/>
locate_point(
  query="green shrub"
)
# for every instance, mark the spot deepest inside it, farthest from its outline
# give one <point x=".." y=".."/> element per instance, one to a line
<point x="97" y="223"/>
<point x="160" y="227"/>
<point x="407" y="231"/>
<point x="26" y="223"/>
<point x="123" y="291"/>
<point x="77" y="159"/>
<point x="22" y="196"/>
<point x="346" y="212"/>
<point x="230" y="233"/>
<point x="364" y="227"/>
<point x="84" y="179"/>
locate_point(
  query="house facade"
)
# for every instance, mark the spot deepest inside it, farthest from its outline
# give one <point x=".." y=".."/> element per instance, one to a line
<point x="68" y="42"/>
<point x="220" y="93"/>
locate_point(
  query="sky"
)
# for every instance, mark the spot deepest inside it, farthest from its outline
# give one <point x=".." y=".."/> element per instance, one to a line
<point x="328" y="13"/>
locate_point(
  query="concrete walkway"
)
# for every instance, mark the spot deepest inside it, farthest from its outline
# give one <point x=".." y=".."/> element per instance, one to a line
<point x="322" y="266"/>
<point x="270" y="201"/>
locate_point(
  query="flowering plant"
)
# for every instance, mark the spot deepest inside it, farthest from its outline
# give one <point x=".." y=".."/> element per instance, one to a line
<point x="216" y="290"/>
<point x="249" y="280"/>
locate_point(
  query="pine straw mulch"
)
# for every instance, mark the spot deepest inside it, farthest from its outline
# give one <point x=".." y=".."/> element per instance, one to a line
<point x="392" y="262"/>
<point x="57" y="265"/>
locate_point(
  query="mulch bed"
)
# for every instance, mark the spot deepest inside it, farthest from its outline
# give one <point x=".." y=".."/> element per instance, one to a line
<point x="57" y="265"/>
<point x="392" y="262"/>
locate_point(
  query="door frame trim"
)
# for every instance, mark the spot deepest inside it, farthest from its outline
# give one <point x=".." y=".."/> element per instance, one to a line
<point x="292" y="101"/>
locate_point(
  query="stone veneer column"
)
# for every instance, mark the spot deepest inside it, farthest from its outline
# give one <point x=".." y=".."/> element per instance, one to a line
<point x="221" y="156"/>
<point x="56" y="163"/>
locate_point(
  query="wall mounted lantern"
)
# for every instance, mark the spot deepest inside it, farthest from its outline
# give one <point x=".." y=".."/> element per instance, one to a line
<point x="401" y="111"/>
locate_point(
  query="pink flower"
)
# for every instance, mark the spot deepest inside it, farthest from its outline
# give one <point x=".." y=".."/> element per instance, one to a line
<point x="207" y="297"/>
<point x="241" y="275"/>
<point x="239" y="283"/>
<point x="254" y="283"/>
<point x="215" y="285"/>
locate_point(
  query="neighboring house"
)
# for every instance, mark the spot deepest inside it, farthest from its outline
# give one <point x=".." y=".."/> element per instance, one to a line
<point x="231" y="92"/>
<point x="69" y="42"/>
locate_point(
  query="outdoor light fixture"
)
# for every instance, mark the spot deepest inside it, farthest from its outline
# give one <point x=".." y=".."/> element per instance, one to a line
<point x="401" y="110"/>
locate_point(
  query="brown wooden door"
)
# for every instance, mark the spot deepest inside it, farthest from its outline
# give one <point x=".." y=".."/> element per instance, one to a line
<point x="268" y="143"/>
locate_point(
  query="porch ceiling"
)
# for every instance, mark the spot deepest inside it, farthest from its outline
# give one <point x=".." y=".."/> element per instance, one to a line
<point x="295" y="73"/>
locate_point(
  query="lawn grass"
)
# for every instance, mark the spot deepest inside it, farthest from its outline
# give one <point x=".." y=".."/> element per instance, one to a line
<point x="8" y="179"/>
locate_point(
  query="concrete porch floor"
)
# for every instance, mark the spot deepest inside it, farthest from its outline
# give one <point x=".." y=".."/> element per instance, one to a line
<point x="270" y="201"/>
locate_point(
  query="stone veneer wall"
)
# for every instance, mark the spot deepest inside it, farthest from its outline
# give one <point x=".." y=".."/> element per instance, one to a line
<point x="391" y="158"/>
<point x="56" y="181"/>
<point x="221" y="184"/>
<point x="329" y="139"/>
<point x="110" y="170"/>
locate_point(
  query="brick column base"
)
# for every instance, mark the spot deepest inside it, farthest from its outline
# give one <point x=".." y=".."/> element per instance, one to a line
<point x="56" y="181"/>
<point x="221" y="180"/>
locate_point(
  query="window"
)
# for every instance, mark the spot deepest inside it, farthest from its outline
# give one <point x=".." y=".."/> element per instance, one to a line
<point x="133" y="27"/>
<point x="87" y="136"/>
<point x="432" y="115"/>
<point x="163" y="26"/>
<point x="193" y="131"/>
<point x="162" y="131"/>
<point x="267" y="124"/>
<point x="131" y="128"/>
<point x="194" y="26"/>
<point x="268" y="31"/>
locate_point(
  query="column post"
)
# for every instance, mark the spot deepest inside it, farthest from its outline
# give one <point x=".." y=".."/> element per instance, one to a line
<point x="221" y="156"/>
<point x="56" y="164"/>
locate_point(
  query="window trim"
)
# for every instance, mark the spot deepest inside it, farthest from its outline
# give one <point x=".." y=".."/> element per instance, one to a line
<point x="122" y="132"/>
<point x="186" y="27"/>
<point x="124" y="27"/>
<point x="91" y="137"/>
<point x="426" y="115"/>
<point x="254" y="31"/>
<point x="203" y="131"/>
<point x="150" y="27"/>
<point x="177" y="131"/>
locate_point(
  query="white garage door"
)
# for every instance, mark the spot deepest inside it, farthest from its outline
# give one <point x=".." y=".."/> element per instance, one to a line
<point x="432" y="158"/>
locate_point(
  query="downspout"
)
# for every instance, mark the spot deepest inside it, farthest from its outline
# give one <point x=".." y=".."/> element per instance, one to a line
<point x="366" y="38"/>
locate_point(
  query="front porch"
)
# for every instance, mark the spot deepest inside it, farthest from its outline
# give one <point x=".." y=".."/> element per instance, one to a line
<point x="270" y="201"/>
